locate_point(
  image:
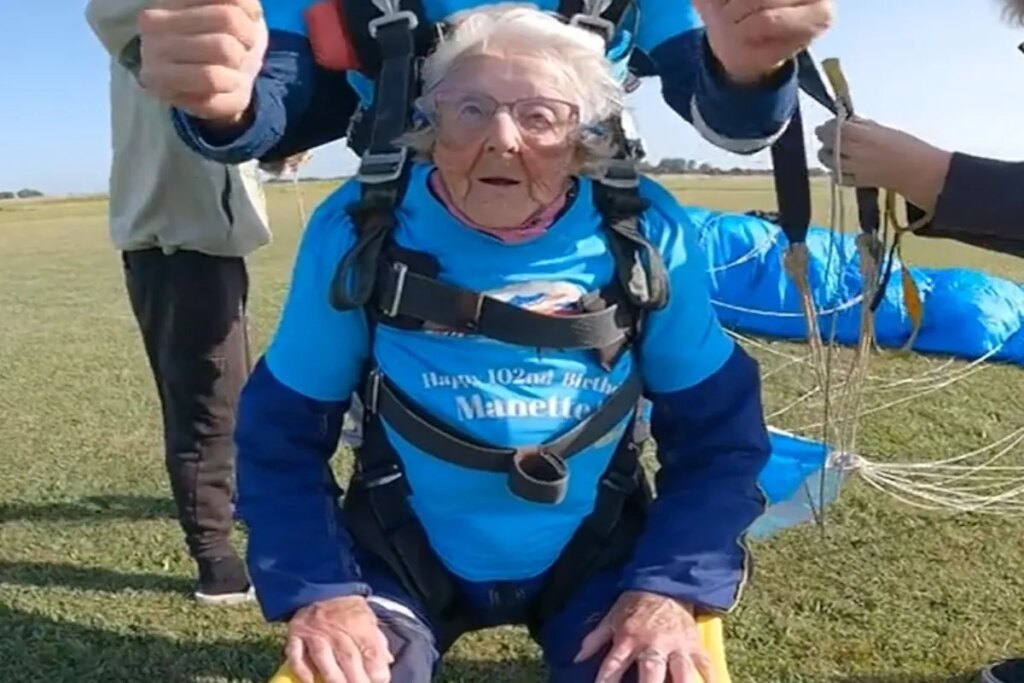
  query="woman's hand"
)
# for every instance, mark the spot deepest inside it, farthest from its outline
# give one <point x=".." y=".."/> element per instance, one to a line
<point x="754" y="38"/>
<point x="658" y="633"/>
<point x="339" y="641"/>
<point x="872" y="155"/>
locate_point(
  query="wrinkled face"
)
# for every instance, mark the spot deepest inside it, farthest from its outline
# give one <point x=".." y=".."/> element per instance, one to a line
<point x="505" y="143"/>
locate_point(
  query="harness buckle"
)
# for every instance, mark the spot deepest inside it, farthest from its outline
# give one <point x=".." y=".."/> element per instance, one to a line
<point x="621" y="174"/>
<point x="391" y="306"/>
<point x="380" y="476"/>
<point x="597" y="24"/>
<point x="373" y="381"/>
<point x="382" y="167"/>
<point x="393" y="18"/>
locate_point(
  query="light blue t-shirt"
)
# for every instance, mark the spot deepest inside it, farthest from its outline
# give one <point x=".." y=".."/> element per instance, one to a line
<point x="500" y="393"/>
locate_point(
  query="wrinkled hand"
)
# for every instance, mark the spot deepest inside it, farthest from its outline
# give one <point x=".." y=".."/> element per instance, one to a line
<point x="872" y="155"/>
<point x="754" y="38"/>
<point x="658" y="633"/>
<point x="338" y="640"/>
<point x="203" y="56"/>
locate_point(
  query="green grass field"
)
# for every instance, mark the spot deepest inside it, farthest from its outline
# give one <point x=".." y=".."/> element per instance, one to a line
<point x="95" y="583"/>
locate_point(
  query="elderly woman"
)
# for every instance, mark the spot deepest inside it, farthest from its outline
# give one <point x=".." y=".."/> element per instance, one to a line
<point x="455" y="520"/>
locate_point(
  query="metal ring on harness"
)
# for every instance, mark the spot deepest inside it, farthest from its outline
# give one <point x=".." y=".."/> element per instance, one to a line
<point x="538" y="476"/>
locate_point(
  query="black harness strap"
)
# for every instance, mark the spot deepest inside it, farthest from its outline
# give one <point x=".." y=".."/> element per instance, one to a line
<point x="363" y="17"/>
<point x="405" y="293"/>
<point x="536" y="473"/>
<point x="606" y="537"/>
<point x="384" y="167"/>
<point x="382" y="521"/>
<point x="639" y="266"/>
<point x="792" y="180"/>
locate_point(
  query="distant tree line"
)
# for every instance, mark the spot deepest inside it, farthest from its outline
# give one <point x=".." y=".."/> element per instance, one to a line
<point x="20" y="194"/>
<point x="680" y="166"/>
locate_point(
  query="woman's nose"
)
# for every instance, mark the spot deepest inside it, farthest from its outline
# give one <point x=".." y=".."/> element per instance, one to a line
<point x="503" y="136"/>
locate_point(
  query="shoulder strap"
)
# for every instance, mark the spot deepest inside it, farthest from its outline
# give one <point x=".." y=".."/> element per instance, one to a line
<point x="589" y="15"/>
<point x="384" y="166"/>
<point x="638" y="264"/>
<point x="364" y="19"/>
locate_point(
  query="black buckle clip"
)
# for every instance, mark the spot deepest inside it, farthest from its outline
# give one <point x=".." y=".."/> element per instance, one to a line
<point x="392" y="302"/>
<point x="372" y="399"/>
<point x="621" y="174"/>
<point x="380" y="476"/>
<point x="392" y="18"/>
<point x="382" y="167"/>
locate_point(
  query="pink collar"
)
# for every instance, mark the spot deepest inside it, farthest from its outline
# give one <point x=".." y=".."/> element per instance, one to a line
<point x="534" y="226"/>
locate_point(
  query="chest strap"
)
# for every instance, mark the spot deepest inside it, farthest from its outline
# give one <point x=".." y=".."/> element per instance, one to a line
<point x="407" y="294"/>
<point x="535" y="473"/>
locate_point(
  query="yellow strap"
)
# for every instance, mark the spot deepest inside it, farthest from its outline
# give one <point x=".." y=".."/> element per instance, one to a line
<point x="890" y="213"/>
<point x="840" y="87"/>
<point x="911" y="301"/>
<point x="711" y="635"/>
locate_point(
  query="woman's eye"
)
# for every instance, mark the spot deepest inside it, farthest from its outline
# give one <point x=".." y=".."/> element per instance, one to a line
<point x="471" y="111"/>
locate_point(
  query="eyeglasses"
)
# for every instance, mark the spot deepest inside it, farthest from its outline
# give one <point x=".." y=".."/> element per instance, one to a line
<point x="462" y="116"/>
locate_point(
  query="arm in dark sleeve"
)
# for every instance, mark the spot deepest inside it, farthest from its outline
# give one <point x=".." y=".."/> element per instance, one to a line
<point x="288" y="428"/>
<point x="299" y="551"/>
<point x="712" y="445"/>
<point x="740" y="119"/>
<point x="981" y="203"/>
<point x="708" y="423"/>
<point x="296" y="105"/>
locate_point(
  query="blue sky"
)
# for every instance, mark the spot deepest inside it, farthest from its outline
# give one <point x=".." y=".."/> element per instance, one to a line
<point x="947" y="70"/>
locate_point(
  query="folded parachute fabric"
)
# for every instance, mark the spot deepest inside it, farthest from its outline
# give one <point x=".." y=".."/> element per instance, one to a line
<point x="968" y="314"/>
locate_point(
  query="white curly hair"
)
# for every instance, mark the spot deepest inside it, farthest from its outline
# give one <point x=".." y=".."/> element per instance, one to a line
<point x="517" y="28"/>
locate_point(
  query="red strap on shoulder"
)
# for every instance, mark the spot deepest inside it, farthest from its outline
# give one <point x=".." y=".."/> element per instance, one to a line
<point x="329" y="36"/>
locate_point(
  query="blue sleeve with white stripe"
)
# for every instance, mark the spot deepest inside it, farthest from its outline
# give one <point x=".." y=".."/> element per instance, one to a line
<point x="297" y="105"/>
<point x="290" y="416"/>
<point x="708" y="422"/>
<point x="739" y="119"/>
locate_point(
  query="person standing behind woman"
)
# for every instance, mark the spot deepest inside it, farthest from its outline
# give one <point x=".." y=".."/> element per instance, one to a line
<point x="184" y="226"/>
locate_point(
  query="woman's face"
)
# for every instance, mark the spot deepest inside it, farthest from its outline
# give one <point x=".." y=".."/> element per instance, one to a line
<point x="505" y="136"/>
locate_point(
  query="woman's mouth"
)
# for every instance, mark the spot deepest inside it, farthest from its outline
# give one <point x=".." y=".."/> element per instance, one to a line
<point x="497" y="181"/>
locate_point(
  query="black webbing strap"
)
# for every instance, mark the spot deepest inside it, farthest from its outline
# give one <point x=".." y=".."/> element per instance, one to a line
<point x="405" y="293"/>
<point x="384" y="161"/>
<point x="639" y="265"/>
<point x="360" y="15"/>
<point x="792" y="180"/>
<point x="536" y="473"/>
<point x="379" y="515"/>
<point x="605" y="537"/>
<point x="384" y="167"/>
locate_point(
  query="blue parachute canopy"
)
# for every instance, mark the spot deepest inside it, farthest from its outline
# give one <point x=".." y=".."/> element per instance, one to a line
<point x="967" y="314"/>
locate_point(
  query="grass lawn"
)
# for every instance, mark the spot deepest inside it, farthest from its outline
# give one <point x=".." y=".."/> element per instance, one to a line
<point x="95" y="582"/>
